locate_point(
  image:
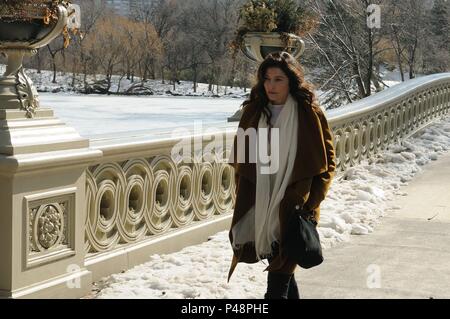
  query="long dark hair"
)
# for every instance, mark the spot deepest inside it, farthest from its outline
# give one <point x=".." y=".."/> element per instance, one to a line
<point x="300" y="90"/>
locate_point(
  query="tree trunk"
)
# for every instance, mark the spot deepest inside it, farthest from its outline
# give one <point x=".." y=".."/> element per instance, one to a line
<point x="144" y="77"/>
<point x="412" y="60"/>
<point x="54" y="69"/>
<point x="152" y="69"/>
<point x="195" y="79"/>
<point x="359" y="81"/>
<point x="376" y="83"/>
<point x="400" y="66"/>
<point x="73" y="79"/>
<point x="162" y="75"/>
<point x="120" y="80"/>
<point x="108" y="79"/>
<point x="85" y="77"/>
<point x="398" y="53"/>
<point x="53" y="54"/>
<point x="38" y="56"/>
<point x="150" y="75"/>
<point x="370" y="64"/>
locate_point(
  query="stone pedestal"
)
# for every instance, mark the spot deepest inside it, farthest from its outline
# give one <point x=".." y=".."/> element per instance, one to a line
<point x="42" y="206"/>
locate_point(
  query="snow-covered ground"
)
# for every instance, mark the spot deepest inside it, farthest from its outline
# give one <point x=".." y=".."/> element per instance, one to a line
<point x="356" y="202"/>
<point x="43" y="83"/>
<point x="391" y="78"/>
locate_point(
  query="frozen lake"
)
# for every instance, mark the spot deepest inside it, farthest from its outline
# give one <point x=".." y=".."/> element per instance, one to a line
<point x="99" y="116"/>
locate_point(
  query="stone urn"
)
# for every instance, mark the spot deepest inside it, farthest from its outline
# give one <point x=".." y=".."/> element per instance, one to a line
<point x="20" y="38"/>
<point x="257" y="45"/>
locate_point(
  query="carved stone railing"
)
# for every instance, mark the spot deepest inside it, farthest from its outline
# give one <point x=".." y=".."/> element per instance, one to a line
<point x="368" y="126"/>
<point x="139" y="198"/>
<point x="131" y="199"/>
<point x="138" y="194"/>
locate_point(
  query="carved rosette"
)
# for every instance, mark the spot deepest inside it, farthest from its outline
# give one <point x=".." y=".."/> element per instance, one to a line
<point x="47" y="228"/>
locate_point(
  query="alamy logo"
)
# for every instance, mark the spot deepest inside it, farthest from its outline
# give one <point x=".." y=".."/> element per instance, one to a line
<point x="374" y="277"/>
<point x="374" y="17"/>
<point x="75" y="281"/>
<point x="262" y="147"/>
<point x="74" y="20"/>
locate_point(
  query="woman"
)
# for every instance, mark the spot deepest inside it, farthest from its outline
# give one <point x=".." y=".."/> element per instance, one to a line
<point x="303" y="152"/>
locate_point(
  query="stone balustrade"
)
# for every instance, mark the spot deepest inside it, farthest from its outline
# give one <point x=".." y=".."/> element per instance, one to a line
<point x="143" y="196"/>
<point x="368" y="126"/>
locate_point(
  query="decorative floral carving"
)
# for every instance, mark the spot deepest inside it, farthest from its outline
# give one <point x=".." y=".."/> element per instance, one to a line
<point x="49" y="227"/>
<point x="27" y="93"/>
<point x="48" y="224"/>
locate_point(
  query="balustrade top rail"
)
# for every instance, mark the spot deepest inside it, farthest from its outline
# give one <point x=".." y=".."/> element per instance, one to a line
<point x="387" y="97"/>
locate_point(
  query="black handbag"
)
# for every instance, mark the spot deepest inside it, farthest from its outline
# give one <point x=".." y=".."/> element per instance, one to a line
<point x="303" y="241"/>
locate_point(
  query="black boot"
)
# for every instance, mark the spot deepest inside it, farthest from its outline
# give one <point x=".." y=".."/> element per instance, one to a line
<point x="293" y="292"/>
<point x="277" y="285"/>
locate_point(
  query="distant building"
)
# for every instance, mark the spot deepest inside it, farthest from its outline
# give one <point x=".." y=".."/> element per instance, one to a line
<point x="124" y="7"/>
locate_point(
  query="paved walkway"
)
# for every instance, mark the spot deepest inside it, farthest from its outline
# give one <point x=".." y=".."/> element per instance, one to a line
<point x="407" y="256"/>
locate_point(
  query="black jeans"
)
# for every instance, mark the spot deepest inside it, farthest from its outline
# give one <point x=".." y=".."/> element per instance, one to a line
<point x="281" y="286"/>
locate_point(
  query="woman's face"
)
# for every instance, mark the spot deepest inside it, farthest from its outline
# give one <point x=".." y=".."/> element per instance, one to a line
<point x="276" y="85"/>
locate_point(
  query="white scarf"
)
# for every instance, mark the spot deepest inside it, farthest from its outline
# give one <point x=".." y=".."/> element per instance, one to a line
<point x="261" y="223"/>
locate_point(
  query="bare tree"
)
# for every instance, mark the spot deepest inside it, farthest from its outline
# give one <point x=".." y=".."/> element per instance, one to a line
<point x="189" y="40"/>
<point x="163" y="15"/>
<point x="437" y="40"/>
<point x="348" y="49"/>
<point x="57" y="46"/>
<point x="407" y="21"/>
<point x="91" y="12"/>
<point x="215" y="31"/>
<point x="148" y="50"/>
<point x="107" y="46"/>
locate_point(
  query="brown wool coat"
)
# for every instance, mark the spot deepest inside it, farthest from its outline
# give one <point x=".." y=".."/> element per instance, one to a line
<point x="313" y="171"/>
